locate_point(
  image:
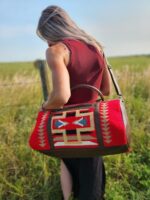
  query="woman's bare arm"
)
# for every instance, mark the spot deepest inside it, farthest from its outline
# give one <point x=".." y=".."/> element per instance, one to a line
<point x="56" y="57"/>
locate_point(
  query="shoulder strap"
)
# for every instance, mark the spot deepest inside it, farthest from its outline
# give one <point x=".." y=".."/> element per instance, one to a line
<point x="113" y="78"/>
<point x="115" y="83"/>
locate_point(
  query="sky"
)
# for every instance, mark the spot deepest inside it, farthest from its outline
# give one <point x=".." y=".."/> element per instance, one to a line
<point x="121" y="26"/>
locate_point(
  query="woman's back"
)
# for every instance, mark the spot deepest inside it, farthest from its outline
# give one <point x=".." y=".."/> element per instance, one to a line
<point x="85" y="67"/>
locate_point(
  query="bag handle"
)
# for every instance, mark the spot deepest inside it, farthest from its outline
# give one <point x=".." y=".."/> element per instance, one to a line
<point x="115" y="83"/>
<point x="89" y="87"/>
<point x="113" y="78"/>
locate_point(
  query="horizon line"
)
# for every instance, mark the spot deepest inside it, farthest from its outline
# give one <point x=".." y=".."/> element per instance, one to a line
<point x="113" y="56"/>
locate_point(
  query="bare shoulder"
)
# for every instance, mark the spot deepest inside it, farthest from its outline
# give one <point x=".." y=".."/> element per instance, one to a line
<point x="57" y="51"/>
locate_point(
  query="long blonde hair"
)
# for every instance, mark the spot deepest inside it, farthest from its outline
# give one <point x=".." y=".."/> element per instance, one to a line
<point x="55" y="25"/>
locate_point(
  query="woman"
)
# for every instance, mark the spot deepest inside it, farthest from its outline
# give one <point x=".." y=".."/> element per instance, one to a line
<point x="74" y="57"/>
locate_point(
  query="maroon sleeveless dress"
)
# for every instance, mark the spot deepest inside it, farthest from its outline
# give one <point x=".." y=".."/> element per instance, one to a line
<point x="85" y="67"/>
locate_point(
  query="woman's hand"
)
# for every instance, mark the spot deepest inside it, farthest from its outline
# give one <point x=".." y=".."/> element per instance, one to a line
<point x="45" y="106"/>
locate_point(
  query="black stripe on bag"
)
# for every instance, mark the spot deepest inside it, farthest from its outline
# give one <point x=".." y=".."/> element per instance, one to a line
<point x="50" y="137"/>
<point x="97" y="125"/>
<point x="87" y="152"/>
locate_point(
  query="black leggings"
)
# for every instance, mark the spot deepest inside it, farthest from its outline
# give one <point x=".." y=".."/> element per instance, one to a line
<point x="88" y="175"/>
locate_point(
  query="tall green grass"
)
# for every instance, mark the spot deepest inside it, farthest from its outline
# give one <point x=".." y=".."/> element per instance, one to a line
<point x="11" y="69"/>
<point x="28" y="175"/>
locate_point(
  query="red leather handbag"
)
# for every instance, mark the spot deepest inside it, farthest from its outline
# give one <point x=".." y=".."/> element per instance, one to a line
<point x="83" y="130"/>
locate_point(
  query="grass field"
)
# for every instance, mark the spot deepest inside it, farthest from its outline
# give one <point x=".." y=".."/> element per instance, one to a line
<point x="28" y="175"/>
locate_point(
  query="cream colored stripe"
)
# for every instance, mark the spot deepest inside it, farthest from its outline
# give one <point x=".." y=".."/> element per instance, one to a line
<point x="83" y="137"/>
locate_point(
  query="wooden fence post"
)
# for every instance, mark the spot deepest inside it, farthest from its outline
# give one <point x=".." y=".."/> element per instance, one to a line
<point x="41" y="65"/>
